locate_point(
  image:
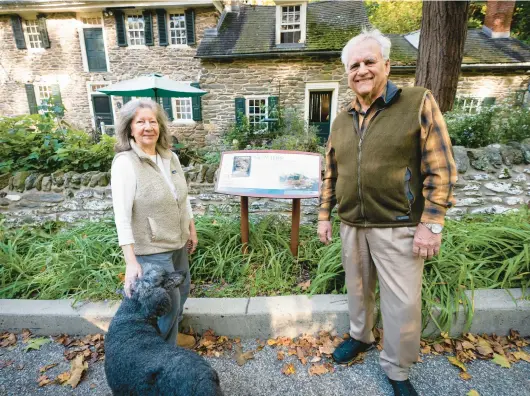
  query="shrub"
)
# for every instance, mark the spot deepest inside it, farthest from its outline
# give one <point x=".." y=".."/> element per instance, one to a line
<point x="44" y="143"/>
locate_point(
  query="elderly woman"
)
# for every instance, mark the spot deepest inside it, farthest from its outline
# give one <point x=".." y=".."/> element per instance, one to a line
<point x="151" y="207"/>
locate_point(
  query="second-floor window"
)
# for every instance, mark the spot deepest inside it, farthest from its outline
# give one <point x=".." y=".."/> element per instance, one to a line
<point x="290" y="27"/>
<point x="136" y="29"/>
<point x="33" y="34"/>
<point x="177" y="29"/>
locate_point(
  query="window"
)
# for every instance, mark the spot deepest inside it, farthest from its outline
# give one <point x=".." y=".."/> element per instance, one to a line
<point x="91" y="21"/>
<point x="177" y="29"/>
<point x="290" y="27"/>
<point x="33" y="34"/>
<point x="44" y="92"/>
<point x="472" y="104"/>
<point x="257" y="113"/>
<point x="183" y="110"/>
<point x="135" y="29"/>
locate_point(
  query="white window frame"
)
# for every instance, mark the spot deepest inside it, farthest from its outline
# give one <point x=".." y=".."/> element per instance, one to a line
<point x="168" y="21"/>
<point x="38" y="98"/>
<point x="182" y="120"/>
<point x="128" y="31"/>
<point x="247" y="108"/>
<point x="81" y="34"/>
<point x="322" y="86"/>
<point x="90" y="92"/>
<point x="303" y="17"/>
<point x="471" y="104"/>
<point x="25" y="28"/>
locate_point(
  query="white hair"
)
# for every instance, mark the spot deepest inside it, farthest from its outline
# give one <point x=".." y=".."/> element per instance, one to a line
<point x="373" y="34"/>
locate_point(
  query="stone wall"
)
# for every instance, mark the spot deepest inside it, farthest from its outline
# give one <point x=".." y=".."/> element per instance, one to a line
<point x="492" y="180"/>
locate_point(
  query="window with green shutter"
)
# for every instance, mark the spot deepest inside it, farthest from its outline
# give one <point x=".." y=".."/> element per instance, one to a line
<point x="148" y="28"/>
<point x="121" y="34"/>
<point x="240" y="108"/>
<point x="196" y="105"/>
<point x="167" y="106"/>
<point x="43" y="31"/>
<point x="273" y="112"/>
<point x="190" y="26"/>
<point x="32" y="100"/>
<point x="18" y="32"/>
<point x="162" y="27"/>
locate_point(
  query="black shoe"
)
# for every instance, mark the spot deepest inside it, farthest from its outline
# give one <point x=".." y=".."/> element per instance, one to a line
<point x="348" y="350"/>
<point x="403" y="388"/>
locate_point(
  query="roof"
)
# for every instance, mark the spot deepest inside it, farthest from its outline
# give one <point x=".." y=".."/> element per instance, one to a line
<point x="330" y="24"/>
<point x="252" y="30"/>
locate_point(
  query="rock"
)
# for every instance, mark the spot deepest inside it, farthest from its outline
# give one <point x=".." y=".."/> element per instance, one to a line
<point x="200" y="173"/>
<point x="69" y="193"/>
<point x="461" y="159"/>
<point x="72" y="217"/>
<point x="86" y="177"/>
<point x="520" y="178"/>
<point x="19" y="180"/>
<point x="493" y="153"/>
<point x="495" y="209"/>
<point x="192" y="176"/>
<point x="67" y="177"/>
<point x="505" y="174"/>
<point x="72" y="204"/>
<point x="4" y="180"/>
<point x="94" y="180"/>
<point x="478" y="177"/>
<point x="108" y="193"/>
<point x="43" y="197"/>
<point x="4" y="202"/>
<point x="104" y="179"/>
<point x="512" y="201"/>
<point x="511" y="155"/>
<point x="57" y="189"/>
<point x="88" y="193"/>
<point x="30" y="181"/>
<point x="217" y="173"/>
<point x="46" y="183"/>
<point x="469" y="202"/>
<point x="525" y="150"/>
<point x="38" y="182"/>
<point x="210" y="174"/>
<point x="479" y="159"/>
<point x="58" y="178"/>
<point x="10" y="184"/>
<point x="504" y="188"/>
<point x="455" y="212"/>
<point x="75" y="181"/>
<point x="472" y="187"/>
<point x="496" y="200"/>
<point x="97" y="205"/>
<point x="14" y="197"/>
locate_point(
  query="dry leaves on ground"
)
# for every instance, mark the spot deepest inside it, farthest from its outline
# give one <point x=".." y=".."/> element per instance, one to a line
<point x="242" y="357"/>
<point x="7" y="339"/>
<point x="288" y="369"/>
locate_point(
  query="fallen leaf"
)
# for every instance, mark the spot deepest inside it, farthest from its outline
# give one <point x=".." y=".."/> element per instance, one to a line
<point x="483" y="347"/>
<point x="242" y="358"/>
<point x="291" y="351"/>
<point x="78" y="366"/>
<point x="318" y="369"/>
<point x="43" y="380"/>
<point x="280" y="355"/>
<point x="47" y="367"/>
<point x="5" y="363"/>
<point x="26" y="334"/>
<point x="300" y="355"/>
<point x="8" y="339"/>
<point x="520" y="355"/>
<point x="473" y="392"/>
<point x="426" y="349"/>
<point x="454" y="361"/>
<point x="467" y="345"/>
<point x="438" y="348"/>
<point x="304" y="285"/>
<point x="288" y="369"/>
<point x="36" y="343"/>
<point x="501" y="360"/>
<point x="63" y="377"/>
<point x="465" y="376"/>
<point x="471" y="337"/>
<point x="271" y="342"/>
<point x="316" y="359"/>
<point x="121" y="277"/>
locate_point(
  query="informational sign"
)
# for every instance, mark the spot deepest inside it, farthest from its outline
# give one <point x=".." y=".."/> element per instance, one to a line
<point x="269" y="173"/>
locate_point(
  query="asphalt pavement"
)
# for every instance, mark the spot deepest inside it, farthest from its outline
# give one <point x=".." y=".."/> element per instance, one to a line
<point x="435" y="376"/>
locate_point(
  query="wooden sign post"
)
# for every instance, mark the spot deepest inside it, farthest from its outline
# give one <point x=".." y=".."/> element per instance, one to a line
<point x="270" y="174"/>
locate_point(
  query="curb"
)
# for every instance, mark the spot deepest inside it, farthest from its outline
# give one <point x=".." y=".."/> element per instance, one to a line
<point x="496" y="311"/>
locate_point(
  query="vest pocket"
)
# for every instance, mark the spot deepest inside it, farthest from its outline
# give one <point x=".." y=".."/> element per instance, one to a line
<point x="408" y="191"/>
<point x="152" y="229"/>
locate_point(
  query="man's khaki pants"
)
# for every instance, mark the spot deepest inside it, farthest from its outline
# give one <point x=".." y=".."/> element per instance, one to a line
<point x="386" y="253"/>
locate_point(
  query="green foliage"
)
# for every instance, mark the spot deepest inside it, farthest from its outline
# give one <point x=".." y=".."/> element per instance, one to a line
<point x="45" y="143"/>
<point x="521" y="21"/>
<point x="492" y="124"/>
<point x="398" y="17"/>
<point x="476" y="14"/>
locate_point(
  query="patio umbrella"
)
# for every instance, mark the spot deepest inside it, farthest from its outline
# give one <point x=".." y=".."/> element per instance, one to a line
<point x="153" y="86"/>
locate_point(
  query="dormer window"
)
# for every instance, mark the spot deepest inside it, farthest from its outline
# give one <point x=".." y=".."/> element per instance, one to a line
<point x="290" y="23"/>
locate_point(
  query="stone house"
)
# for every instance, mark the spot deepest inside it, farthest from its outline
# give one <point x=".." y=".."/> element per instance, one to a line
<point x="249" y="59"/>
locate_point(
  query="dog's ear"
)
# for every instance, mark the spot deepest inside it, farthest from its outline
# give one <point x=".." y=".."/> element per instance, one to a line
<point x="155" y="302"/>
<point x="174" y="279"/>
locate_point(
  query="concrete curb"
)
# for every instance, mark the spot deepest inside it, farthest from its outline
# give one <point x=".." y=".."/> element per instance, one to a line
<point x="496" y="311"/>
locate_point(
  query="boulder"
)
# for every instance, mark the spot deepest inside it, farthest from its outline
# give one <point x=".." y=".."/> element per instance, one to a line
<point x="478" y="158"/>
<point x="58" y="178"/>
<point x="38" y="182"/>
<point x="46" y="183"/>
<point x="493" y="153"/>
<point x="4" y="180"/>
<point x="19" y="180"/>
<point x="512" y="154"/>
<point x="43" y="197"/>
<point x="461" y="159"/>
<point x="210" y="174"/>
<point x="30" y="181"/>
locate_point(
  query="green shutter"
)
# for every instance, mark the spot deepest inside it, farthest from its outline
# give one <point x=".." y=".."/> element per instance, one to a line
<point x="240" y="110"/>
<point x="126" y="99"/>
<point x="43" y="31"/>
<point x="148" y="28"/>
<point x="32" y="100"/>
<point x="489" y="101"/>
<point x="120" y="28"/>
<point x="162" y="27"/>
<point x="196" y="105"/>
<point x="56" y="99"/>
<point x="167" y="106"/>
<point x="272" y="107"/>
<point x="190" y="26"/>
<point x="18" y="32"/>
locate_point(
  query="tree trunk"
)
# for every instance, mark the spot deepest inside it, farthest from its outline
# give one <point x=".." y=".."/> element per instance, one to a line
<point x="441" y="49"/>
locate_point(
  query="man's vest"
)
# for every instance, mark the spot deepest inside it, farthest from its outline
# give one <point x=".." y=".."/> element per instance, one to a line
<point x="379" y="181"/>
<point x="159" y="222"/>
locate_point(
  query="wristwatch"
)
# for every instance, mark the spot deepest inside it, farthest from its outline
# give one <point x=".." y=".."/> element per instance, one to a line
<point x="434" y="227"/>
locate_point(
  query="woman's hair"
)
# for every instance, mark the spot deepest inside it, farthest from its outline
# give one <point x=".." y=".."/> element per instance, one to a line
<point x="127" y="114"/>
<point x="373" y="34"/>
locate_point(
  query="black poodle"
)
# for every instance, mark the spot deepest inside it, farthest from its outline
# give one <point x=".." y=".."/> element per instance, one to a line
<point x="138" y="361"/>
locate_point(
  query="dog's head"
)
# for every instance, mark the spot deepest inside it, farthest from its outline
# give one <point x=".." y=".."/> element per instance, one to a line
<point x="151" y="290"/>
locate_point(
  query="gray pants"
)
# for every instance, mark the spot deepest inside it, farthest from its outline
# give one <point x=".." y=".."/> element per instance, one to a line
<point x="176" y="260"/>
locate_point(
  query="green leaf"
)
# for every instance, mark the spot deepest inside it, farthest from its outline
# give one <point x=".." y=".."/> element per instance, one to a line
<point x="473" y="392"/>
<point x="36" y="343"/>
<point x="501" y="360"/>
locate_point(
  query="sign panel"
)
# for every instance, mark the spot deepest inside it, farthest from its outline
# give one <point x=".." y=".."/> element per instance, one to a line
<point x="269" y="173"/>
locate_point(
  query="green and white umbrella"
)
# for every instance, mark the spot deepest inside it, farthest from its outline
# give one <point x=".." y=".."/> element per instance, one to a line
<point x="153" y="86"/>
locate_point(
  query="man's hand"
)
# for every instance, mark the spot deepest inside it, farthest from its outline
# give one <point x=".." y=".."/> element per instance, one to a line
<point x="426" y="244"/>
<point x="324" y="231"/>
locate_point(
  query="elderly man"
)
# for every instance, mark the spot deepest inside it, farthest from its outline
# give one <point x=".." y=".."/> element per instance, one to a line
<point x="390" y="168"/>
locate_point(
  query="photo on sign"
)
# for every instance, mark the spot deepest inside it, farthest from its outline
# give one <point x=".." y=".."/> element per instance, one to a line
<point x="298" y="181"/>
<point x="241" y="166"/>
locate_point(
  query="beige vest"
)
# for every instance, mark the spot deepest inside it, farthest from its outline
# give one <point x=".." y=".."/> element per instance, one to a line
<point x="159" y="222"/>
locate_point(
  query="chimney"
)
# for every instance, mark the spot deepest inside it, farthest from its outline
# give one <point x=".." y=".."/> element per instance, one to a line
<point x="498" y="18"/>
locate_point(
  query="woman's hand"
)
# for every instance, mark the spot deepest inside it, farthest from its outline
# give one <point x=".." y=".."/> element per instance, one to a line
<point x="191" y="245"/>
<point x="133" y="270"/>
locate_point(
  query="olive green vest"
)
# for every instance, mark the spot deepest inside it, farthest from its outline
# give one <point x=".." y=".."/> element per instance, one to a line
<point x="379" y="180"/>
<point x="159" y="222"/>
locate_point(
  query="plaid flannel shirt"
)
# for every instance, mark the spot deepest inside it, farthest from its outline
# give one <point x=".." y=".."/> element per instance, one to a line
<point x="437" y="164"/>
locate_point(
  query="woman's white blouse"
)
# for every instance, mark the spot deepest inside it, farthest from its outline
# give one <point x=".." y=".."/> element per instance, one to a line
<point x="123" y="184"/>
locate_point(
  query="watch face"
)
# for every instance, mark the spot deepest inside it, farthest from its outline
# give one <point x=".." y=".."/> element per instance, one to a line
<point x="436" y="228"/>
